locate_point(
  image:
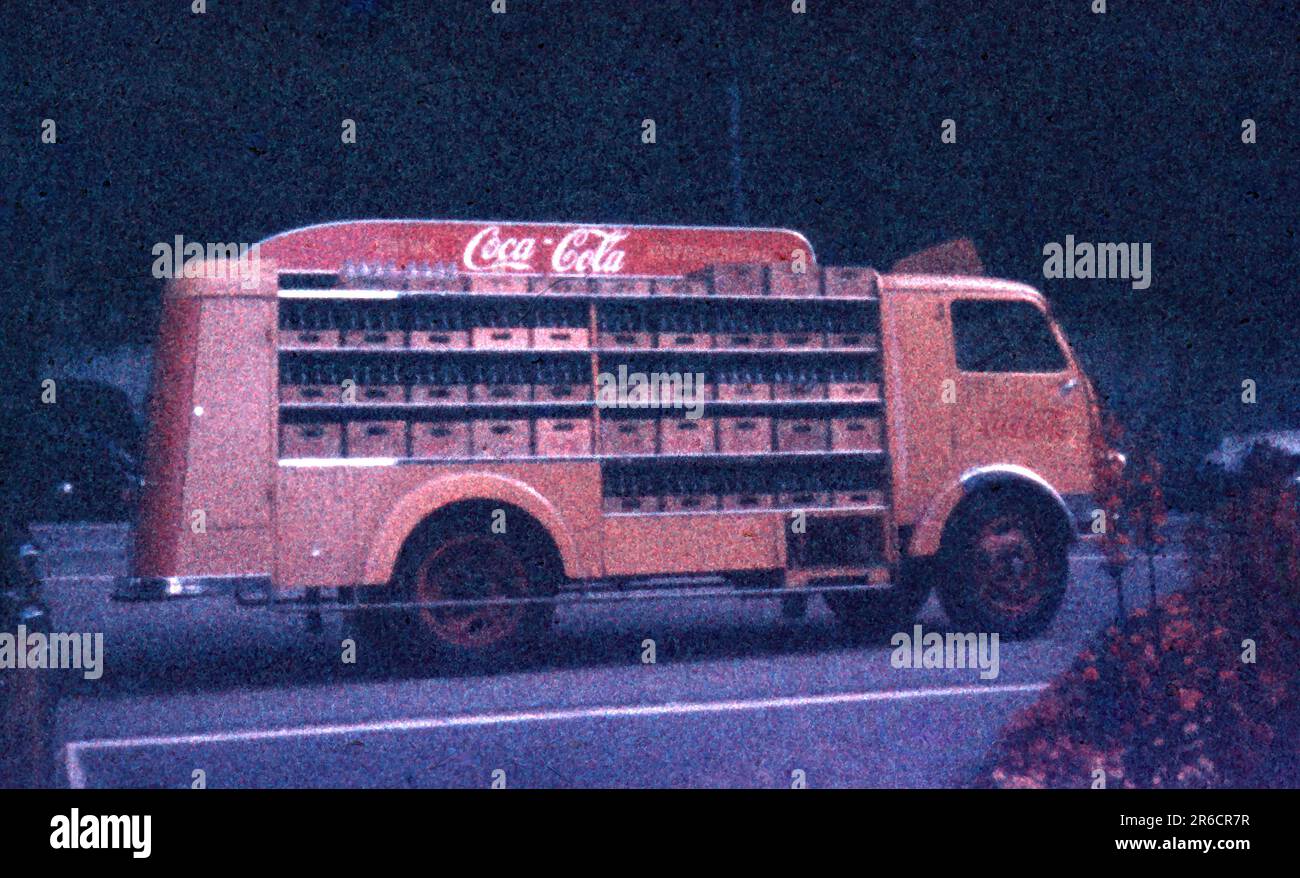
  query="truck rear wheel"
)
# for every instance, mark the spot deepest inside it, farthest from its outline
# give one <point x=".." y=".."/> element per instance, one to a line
<point x="473" y="567"/>
<point x="455" y="558"/>
<point x="1006" y="568"/>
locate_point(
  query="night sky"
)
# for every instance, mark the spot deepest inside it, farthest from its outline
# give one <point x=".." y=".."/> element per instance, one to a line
<point x="1117" y="127"/>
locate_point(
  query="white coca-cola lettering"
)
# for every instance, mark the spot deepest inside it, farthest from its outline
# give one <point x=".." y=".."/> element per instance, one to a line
<point x="575" y="255"/>
<point x="488" y="251"/>
<point x="582" y="251"/>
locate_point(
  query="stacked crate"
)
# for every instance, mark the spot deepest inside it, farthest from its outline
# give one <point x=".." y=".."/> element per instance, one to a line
<point x="498" y="367"/>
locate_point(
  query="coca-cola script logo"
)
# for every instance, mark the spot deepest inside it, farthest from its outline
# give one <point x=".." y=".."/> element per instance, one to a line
<point x="584" y="250"/>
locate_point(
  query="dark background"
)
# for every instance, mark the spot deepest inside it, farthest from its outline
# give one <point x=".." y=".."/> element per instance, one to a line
<point x="1117" y="127"/>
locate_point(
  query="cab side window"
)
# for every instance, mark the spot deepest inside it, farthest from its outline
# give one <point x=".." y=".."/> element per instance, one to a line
<point x="1001" y="336"/>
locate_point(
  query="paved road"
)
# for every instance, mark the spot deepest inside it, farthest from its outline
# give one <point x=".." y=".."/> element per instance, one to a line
<point x="737" y="696"/>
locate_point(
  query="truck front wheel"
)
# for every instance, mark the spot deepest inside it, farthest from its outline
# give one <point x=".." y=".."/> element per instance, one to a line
<point x="1005" y="568"/>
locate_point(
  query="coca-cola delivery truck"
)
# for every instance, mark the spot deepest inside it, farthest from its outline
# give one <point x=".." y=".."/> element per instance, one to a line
<point x="456" y="426"/>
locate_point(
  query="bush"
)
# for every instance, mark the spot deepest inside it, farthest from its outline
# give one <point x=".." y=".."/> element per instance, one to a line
<point x="1201" y="689"/>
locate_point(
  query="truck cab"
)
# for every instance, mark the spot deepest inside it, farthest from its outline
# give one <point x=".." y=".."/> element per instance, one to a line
<point x="994" y="426"/>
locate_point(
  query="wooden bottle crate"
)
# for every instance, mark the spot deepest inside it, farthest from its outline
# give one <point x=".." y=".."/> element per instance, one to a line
<point x="512" y="391"/>
<point x="683" y="340"/>
<point x="376" y="438"/>
<point x="379" y="394"/>
<point x="440" y="439"/>
<point x="691" y="502"/>
<point x="627" y="436"/>
<point x="746" y="341"/>
<point x="687" y="436"/>
<point x="744" y="435"/>
<point x="636" y="503"/>
<point x="374" y="339"/>
<point x="561" y="286"/>
<point x="740" y="280"/>
<point x="621" y="286"/>
<point x="804" y="499"/>
<point x="840" y="281"/>
<point x="501" y="438"/>
<point x="681" y="287"/>
<point x="853" y="390"/>
<point x="439" y="339"/>
<point x="856" y="434"/>
<point x="313" y="392"/>
<point x="861" y="340"/>
<point x="799" y="390"/>
<point x="562" y="437"/>
<point x="439" y="394"/>
<point x="560" y="338"/>
<point x="500" y="338"/>
<point x="798" y="340"/>
<point x="782" y="282"/>
<point x="310" y="440"/>
<point x="859" y="497"/>
<point x="731" y="389"/>
<point x="802" y="434"/>
<point x="562" y="391"/>
<point x="309" y="338"/>
<point x="746" y="500"/>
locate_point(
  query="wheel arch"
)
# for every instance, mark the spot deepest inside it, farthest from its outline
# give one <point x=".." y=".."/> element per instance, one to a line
<point x="986" y="481"/>
<point x="441" y="496"/>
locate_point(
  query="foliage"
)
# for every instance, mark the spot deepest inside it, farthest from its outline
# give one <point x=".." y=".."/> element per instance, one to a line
<point x="1172" y="698"/>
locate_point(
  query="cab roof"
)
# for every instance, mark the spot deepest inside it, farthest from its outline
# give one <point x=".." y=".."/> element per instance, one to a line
<point x="949" y="283"/>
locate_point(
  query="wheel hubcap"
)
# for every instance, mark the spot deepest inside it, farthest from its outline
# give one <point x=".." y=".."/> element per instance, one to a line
<point x="471" y="568"/>
<point x="1009" y="572"/>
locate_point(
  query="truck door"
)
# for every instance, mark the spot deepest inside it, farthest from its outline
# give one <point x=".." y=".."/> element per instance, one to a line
<point x="1020" y="397"/>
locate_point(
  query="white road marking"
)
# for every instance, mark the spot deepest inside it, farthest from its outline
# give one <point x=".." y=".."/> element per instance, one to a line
<point x="74" y="749"/>
<point x="72" y="765"/>
<point x="1164" y="556"/>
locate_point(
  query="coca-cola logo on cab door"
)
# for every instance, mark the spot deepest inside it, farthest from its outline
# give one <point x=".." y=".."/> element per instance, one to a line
<point x="584" y="250"/>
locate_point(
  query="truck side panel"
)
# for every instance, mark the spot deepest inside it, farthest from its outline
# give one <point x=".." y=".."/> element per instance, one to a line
<point x="647" y="544"/>
<point x="336" y="524"/>
<point x="206" y="510"/>
<point x="232" y="448"/>
<point x="162" y="523"/>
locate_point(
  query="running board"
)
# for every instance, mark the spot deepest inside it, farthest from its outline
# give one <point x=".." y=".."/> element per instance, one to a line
<point x="587" y="597"/>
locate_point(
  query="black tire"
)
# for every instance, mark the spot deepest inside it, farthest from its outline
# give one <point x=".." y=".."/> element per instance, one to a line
<point x="459" y="556"/>
<point x="872" y="614"/>
<point x="1005" y="565"/>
